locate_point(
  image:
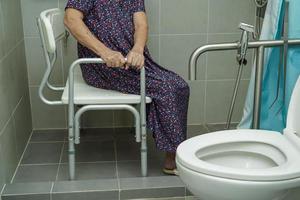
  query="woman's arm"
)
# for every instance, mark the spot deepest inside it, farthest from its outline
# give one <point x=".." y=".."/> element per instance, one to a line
<point x="136" y="55"/>
<point x="74" y="22"/>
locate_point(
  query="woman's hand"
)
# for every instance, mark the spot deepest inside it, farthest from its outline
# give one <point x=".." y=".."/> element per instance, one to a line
<point x="113" y="58"/>
<point x="135" y="59"/>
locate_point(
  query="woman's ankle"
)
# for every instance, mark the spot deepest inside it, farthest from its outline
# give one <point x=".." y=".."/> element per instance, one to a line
<point x="170" y="160"/>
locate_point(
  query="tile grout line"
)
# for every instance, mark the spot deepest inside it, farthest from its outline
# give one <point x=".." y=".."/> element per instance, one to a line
<point x="182" y="34"/>
<point x="44" y="142"/>
<point x="11" y="115"/>
<point x="51" y="190"/>
<point x="12" y="49"/>
<point x="21" y="158"/>
<point x="159" y="31"/>
<point x="224" y="79"/>
<point x="84" y="191"/>
<point x="206" y="65"/>
<point x="38" y="164"/>
<point x="23" y="194"/>
<point x="50" y="129"/>
<point x="117" y="171"/>
<point x="206" y="127"/>
<point x="60" y="161"/>
<point x="2" y="190"/>
<point x="64" y="163"/>
<point x="62" y="57"/>
<point x="163" y="34"/>
<point x="195" y="34"/>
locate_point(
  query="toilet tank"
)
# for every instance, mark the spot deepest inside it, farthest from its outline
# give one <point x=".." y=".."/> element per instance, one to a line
<point x="293" y="116"/>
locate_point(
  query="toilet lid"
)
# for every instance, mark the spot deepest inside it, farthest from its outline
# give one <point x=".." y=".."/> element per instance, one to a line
<point x="282" y="152"/>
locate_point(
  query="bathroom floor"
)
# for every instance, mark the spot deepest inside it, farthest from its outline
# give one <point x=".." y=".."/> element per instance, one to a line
<point x="105" y="158"/>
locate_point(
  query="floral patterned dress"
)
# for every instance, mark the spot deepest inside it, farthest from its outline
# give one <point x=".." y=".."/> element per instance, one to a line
<point x="111" y="21"/>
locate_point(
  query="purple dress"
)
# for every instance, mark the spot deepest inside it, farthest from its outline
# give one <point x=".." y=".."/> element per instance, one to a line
<point x="111" y="21"/>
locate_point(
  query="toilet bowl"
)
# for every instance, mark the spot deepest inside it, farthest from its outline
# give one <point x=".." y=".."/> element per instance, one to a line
<point x="244" y="164"/>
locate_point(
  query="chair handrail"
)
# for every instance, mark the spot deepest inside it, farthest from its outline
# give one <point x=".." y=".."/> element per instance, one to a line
<point x="77" y="62"/>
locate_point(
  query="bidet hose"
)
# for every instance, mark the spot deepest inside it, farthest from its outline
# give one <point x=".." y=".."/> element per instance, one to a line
<point x="235" y="93"/>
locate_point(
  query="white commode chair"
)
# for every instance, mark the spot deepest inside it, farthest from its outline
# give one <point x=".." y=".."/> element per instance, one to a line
<point x="77" y="92"/>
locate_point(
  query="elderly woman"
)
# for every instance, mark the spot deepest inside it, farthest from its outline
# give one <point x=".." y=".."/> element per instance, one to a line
<point x="118" y="29"/>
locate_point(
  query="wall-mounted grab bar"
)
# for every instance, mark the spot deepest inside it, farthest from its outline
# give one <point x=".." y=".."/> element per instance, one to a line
<point x="260" y="48"/>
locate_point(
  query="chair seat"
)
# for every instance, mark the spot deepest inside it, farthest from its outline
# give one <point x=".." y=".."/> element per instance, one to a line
<point x="86" y="94"/>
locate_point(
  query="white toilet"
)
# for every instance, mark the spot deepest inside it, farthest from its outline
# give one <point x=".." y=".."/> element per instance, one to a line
<point x="244" y="164"/>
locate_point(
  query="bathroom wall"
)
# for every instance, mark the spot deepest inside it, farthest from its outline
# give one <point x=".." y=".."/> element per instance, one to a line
<point x="15" y="113"/>
<point x="177" y="27"/>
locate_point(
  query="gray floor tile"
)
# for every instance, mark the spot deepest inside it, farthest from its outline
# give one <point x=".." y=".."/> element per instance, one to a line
<point x="27" y="188"/>
<point x="48" y="135"/>
<point x="170" y="198"/>
<point x="103" y="195"/>
<point x="86" y="171"/>
<point x="86" y="186"/>
<point x="42" y="153"/>
<point x="92" y="151"/>
<point x="128" y="149"/>
<point x="150" y="182"/>
<point x="155" y="155"/>
<point x="152" y="193"/>
<point x="188" y="193"/>
<point x="192" y="198"/>
<point x="126" y="132"/>
<point x="35" y="173"/>
<point x="128" y="169"/>
<point x="96" y="134"/>
<point x="219" y="127"/>
<point x="27" y="197"/>
<point x="215" y="127"/>
<point x="195" y="130"/>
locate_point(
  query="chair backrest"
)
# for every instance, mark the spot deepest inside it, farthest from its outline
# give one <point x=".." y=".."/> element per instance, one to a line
<point x="52" y="28"/>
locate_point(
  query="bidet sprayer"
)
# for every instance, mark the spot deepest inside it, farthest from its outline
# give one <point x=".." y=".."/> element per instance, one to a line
<point x="243" y="43"/>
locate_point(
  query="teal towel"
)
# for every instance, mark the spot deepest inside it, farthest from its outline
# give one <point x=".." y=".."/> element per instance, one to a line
<point x="271" y="119"/>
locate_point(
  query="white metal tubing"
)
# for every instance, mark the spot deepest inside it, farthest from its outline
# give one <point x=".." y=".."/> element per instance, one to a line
<point x="71" y="95"/>
<point x="71" y="148"/>
<point x="51" y="87"/>
<point x="84" y="109"/>
<point x="49" y="64"/>
<point x="72" y="165"/>
<point x="48" y="70"/>
<point x="71" y="113"/>
<point x="143" y="123"/>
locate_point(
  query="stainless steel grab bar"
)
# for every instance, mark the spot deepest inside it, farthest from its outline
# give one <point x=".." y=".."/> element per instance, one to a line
<point x="260" y="47"/>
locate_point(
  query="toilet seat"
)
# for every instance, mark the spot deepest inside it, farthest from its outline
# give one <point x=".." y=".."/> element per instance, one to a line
<point x="280" y="150"/>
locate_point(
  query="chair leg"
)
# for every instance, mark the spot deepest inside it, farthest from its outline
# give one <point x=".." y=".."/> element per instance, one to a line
<point x="144" y="165"/>
<point x="71" y="155"/>
<point x="72" y="165"/>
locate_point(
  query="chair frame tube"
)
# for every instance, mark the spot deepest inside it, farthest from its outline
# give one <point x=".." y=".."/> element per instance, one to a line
<point x="72" y="123"/>
<point x="50" y="61"/>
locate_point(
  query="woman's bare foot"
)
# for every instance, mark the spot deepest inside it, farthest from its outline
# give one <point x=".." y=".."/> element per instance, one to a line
<point x="170" y="161"/>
